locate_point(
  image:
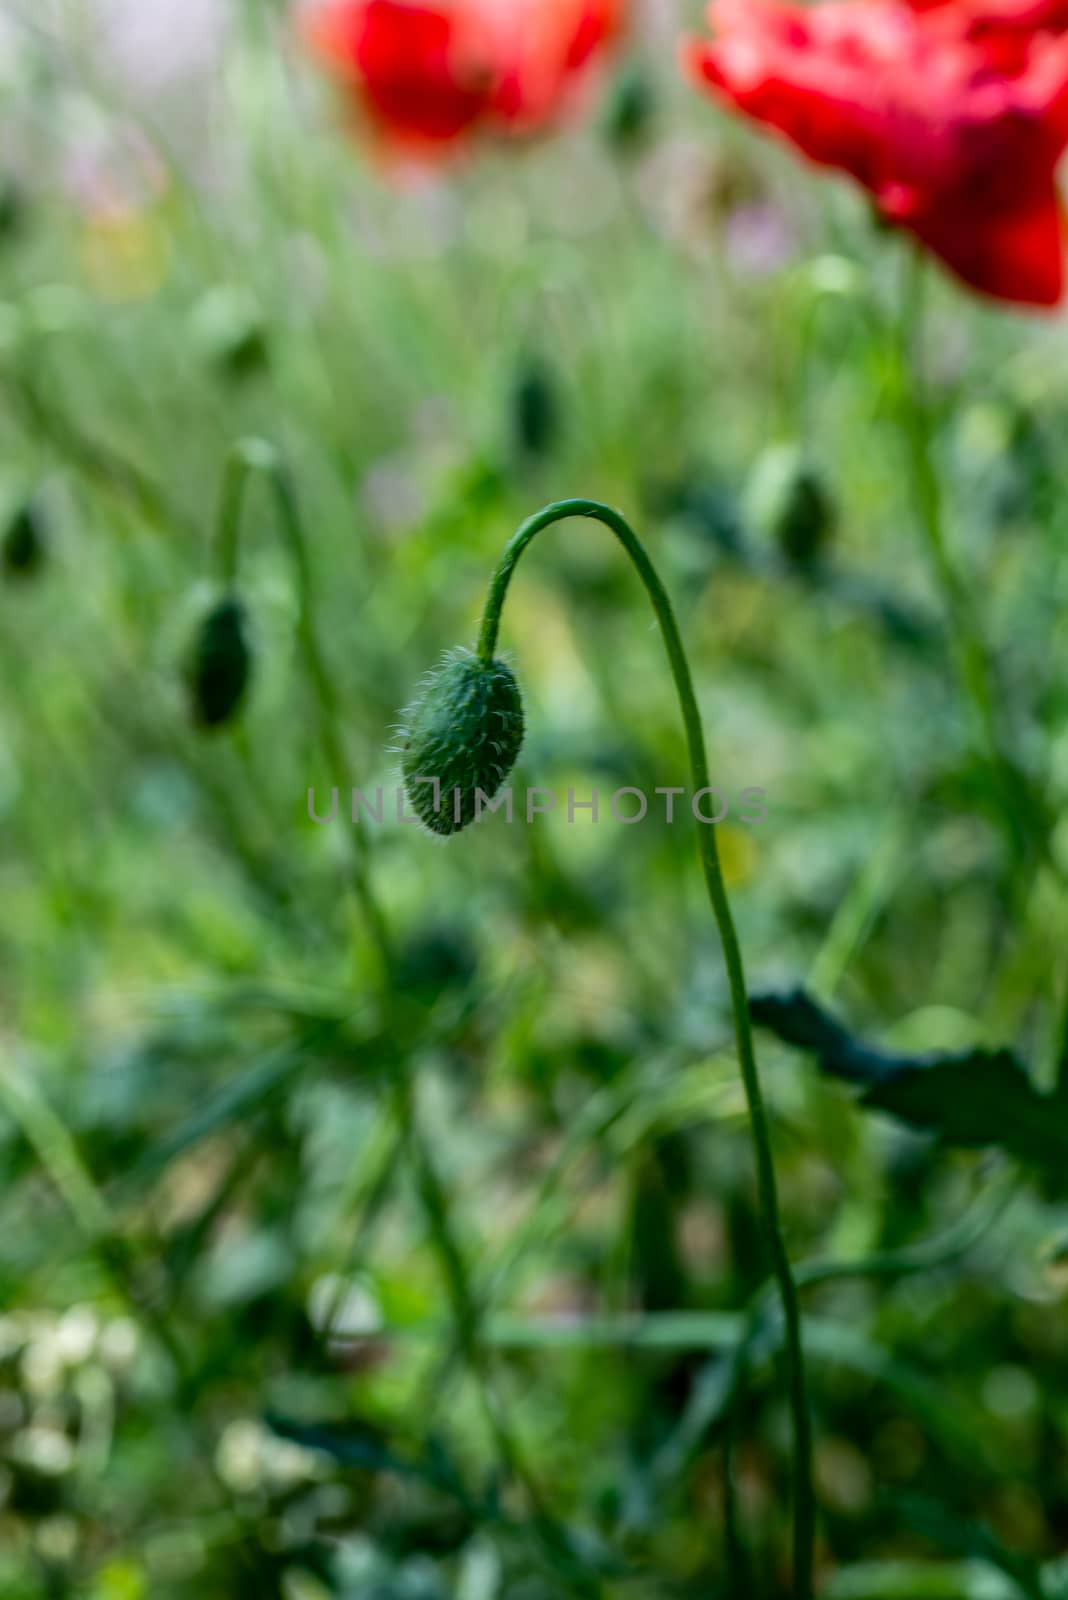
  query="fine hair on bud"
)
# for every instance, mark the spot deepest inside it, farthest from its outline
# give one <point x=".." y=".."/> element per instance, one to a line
<point x="461" y="737"/>
<point x="220" y="664"/>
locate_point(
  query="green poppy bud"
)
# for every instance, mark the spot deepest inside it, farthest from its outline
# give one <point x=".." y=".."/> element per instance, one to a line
<point x="630" y="109"/>
<point x="462" y="738"/>
<point x="25" y="541"/>
<point x="788" y="502"/>
<point x="220" y="664"/>
<point x="535" y="412"/>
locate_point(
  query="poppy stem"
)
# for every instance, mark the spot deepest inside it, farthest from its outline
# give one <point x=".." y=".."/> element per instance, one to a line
<point x="972" y="657"/>
<point x="247" y="459"/>
<point x="804" y="1501"/>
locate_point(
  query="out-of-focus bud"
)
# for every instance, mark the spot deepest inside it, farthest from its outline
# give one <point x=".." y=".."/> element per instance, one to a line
<point x="535" y="411"/>
<point x="630" y="110"/>
<point x="462" y="737"/>
<point x="25" y="540"/>
<point x="220" y="664"/>
<point x="787" y="501"/>
<point x="440" y="957"/>
<point x="13" y="210"/>
<point x="228" y="329"/>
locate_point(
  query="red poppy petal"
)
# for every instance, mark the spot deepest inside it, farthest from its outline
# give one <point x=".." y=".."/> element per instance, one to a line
<point x="419" y="73"/>
<point x="977" y="15"/>
<point x="332" y="31"/>
<point x="600" y="22"/>
<point x="544" y="49"/>
<point x="826" y="122"/>
<point x="1016" y="256"/>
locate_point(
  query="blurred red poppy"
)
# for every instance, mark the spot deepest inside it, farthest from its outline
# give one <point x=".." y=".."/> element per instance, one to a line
<point x="984" y="14"/>
<point x="429" y="73"/>
<point x="954" y="129"/>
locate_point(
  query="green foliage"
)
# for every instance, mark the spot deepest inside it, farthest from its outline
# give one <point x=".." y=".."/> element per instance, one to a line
<point x="378" y="1220"/>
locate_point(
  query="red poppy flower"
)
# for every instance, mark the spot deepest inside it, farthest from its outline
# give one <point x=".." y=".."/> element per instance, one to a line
<point x="955" y="132"/>
<point x="979" y="15"/>
<point x="427" y="73"/>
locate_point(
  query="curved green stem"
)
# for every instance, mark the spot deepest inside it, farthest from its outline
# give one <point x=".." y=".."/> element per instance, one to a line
<point x="249" y="458"/>
<point x="804" y="1503"/>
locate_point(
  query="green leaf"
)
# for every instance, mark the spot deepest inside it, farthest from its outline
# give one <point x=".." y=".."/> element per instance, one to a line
<point x="800" y="1021"/>
<point x="978" y="1100"/>
<point x="972" y="1099"/>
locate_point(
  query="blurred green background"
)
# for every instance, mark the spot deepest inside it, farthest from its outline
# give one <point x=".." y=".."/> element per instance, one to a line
<point x="280" y="1249"/>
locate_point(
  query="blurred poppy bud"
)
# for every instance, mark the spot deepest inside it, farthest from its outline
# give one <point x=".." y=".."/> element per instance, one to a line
<point x="228" y="328"/>
<point x="220" y="664"/>
<point x="788" y="501"/>
<point x="630" y="110"/>
<point x="535" y="412"/>
<point x="438" y="958"/>
<point x="25" y="541"/>
<point x="462" y="738"/>
<point x="12" y="209"/>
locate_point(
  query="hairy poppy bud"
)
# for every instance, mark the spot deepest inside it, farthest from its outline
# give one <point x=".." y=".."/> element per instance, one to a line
<point x="220" y="664"/>
<point x="535" y="412"/>
<point x="463" y="736"/>
<point x="787" y="501"/>
<point x="25" y="542"/>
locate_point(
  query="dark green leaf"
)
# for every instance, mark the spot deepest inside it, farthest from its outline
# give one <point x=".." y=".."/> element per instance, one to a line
<point x="800" y="1021"/>
<point x="970" y="1099"/>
